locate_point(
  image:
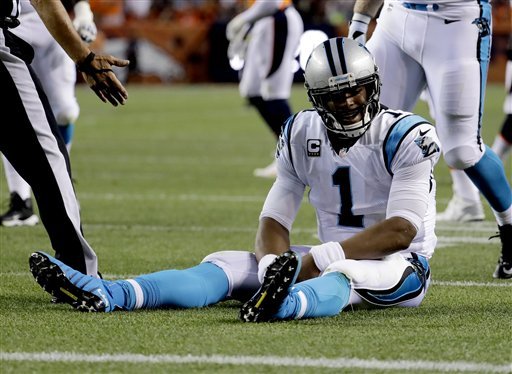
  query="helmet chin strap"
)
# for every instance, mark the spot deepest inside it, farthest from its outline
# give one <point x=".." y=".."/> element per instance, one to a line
<point x="340" y="143"/>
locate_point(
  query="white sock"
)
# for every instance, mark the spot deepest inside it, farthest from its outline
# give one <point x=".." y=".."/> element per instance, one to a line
<point x="504" y="218"/>
<point x="15" y="182"/>
<point x="501" y="147"/>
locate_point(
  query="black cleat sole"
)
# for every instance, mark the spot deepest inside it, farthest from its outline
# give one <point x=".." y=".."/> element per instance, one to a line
<point x="267" y="300"/>
<point x="53" y="280"/>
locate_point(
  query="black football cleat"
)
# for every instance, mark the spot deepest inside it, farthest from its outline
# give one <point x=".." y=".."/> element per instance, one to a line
<point x="83" y="292"/>
<point x="280" y="276"/>
<point x="504" y="267"/>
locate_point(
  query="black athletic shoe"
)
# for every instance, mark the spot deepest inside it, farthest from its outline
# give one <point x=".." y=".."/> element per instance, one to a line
<point x="280" y="276"/>
<point x="82" y="292"/>
<point x="504" y="267"/>
<point x="20" y="212"/>
<point x="503" y="270"/>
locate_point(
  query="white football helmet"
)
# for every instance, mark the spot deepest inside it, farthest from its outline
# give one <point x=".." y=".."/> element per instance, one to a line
<point x="336" y="65"/>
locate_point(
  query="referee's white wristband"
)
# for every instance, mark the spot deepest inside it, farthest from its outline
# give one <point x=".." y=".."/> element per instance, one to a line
<point x="327" y="253"/>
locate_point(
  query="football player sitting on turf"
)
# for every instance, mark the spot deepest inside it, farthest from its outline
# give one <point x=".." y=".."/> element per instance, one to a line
<point x="369" y="173"/>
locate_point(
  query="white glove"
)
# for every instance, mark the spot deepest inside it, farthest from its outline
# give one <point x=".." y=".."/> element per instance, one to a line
<point x="84" y="22"/>
<point x="235" y="26"/>
<point x="359" y="27"/>
<point x="238" y="45"/>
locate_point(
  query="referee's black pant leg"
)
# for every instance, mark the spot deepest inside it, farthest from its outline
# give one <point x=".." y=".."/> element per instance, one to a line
<point x="30" y="155"/>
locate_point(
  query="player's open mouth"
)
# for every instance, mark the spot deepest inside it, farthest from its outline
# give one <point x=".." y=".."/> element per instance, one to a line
<point x="351" y="115"/>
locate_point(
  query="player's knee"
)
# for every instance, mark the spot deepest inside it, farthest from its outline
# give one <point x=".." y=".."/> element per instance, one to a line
<point x="462" y="157"/>
<point x="241" y="269"/>
<point x="217" y="257"/>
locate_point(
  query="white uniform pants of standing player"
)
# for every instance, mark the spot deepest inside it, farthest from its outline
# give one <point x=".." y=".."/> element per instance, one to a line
<point x="439" y="46"/>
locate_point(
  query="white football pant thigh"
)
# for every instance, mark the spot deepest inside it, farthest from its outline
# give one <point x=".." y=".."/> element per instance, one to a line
<point x="456" y="81"/>
<point x="241" y="269"/>
<point x="401" y="74"/>
<point x="415" y="49"/>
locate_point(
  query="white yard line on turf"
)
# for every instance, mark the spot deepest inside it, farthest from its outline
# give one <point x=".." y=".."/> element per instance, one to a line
<point x="341" y="362"/>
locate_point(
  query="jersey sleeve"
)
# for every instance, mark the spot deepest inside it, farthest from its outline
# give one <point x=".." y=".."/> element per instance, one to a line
<point x="410" y="193"/>
<point x="411" y="150"/>
<point x="411" y="140"/>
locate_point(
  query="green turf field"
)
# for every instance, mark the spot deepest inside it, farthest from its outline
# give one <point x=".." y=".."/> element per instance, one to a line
<point x="167" y="179"/>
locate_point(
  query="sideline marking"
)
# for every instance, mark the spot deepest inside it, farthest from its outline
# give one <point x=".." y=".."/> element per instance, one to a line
<point x="340" y="362"/>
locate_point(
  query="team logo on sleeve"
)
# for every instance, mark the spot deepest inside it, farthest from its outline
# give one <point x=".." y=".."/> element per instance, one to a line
<point x="314" y="146"/>
<point x="427" y="145"/>
<point x="280" y="144"/>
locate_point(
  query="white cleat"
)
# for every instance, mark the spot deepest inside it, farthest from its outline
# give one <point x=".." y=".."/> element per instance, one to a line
<point x="460" y="210"/>
<point x="269" y="171"/>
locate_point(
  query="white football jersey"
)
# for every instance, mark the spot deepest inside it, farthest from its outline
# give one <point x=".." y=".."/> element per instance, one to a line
<point x="368" y="184"/>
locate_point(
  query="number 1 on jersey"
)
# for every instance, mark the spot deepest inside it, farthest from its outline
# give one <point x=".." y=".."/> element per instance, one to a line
<point x="341" y="178"/>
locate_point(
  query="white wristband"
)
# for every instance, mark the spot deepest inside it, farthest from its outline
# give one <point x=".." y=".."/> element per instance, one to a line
<point x="359" y="17"/>
<point x="263" y="265"/>
<point x="326" y="253"/>
<point x="359" y="27"/>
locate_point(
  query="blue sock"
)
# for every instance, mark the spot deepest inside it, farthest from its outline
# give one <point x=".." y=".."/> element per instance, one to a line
<point x="201" y="285"/>
<point x="489" y="176"/>
<point x="67" y="132"/>
<point x="121" y="293"/>
<point x="319" y="297"/>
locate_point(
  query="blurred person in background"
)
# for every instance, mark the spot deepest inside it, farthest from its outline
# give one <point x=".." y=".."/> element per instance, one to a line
<point x="114" y="15"/>
<point x="57" y="73"/>
<point x="266" y="37"/>
<point x="444" y="46"/>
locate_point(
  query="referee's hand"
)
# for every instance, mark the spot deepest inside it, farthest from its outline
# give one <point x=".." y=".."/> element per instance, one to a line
<point x="97" y="72"/>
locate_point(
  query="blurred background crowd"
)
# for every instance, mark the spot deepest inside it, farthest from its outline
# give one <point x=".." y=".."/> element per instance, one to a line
<point x="184" y="40"/>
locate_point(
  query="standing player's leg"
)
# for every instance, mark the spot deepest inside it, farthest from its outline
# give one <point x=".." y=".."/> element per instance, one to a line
<point x="36" y="151"/>
<point x="456" y="80"/>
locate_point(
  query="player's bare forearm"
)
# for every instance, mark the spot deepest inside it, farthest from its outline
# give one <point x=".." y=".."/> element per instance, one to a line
<point x="271" y="238"/>
<point x="368" y="7"/>
<point x="385" y="238"/>
<point x="382" y="239"/>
